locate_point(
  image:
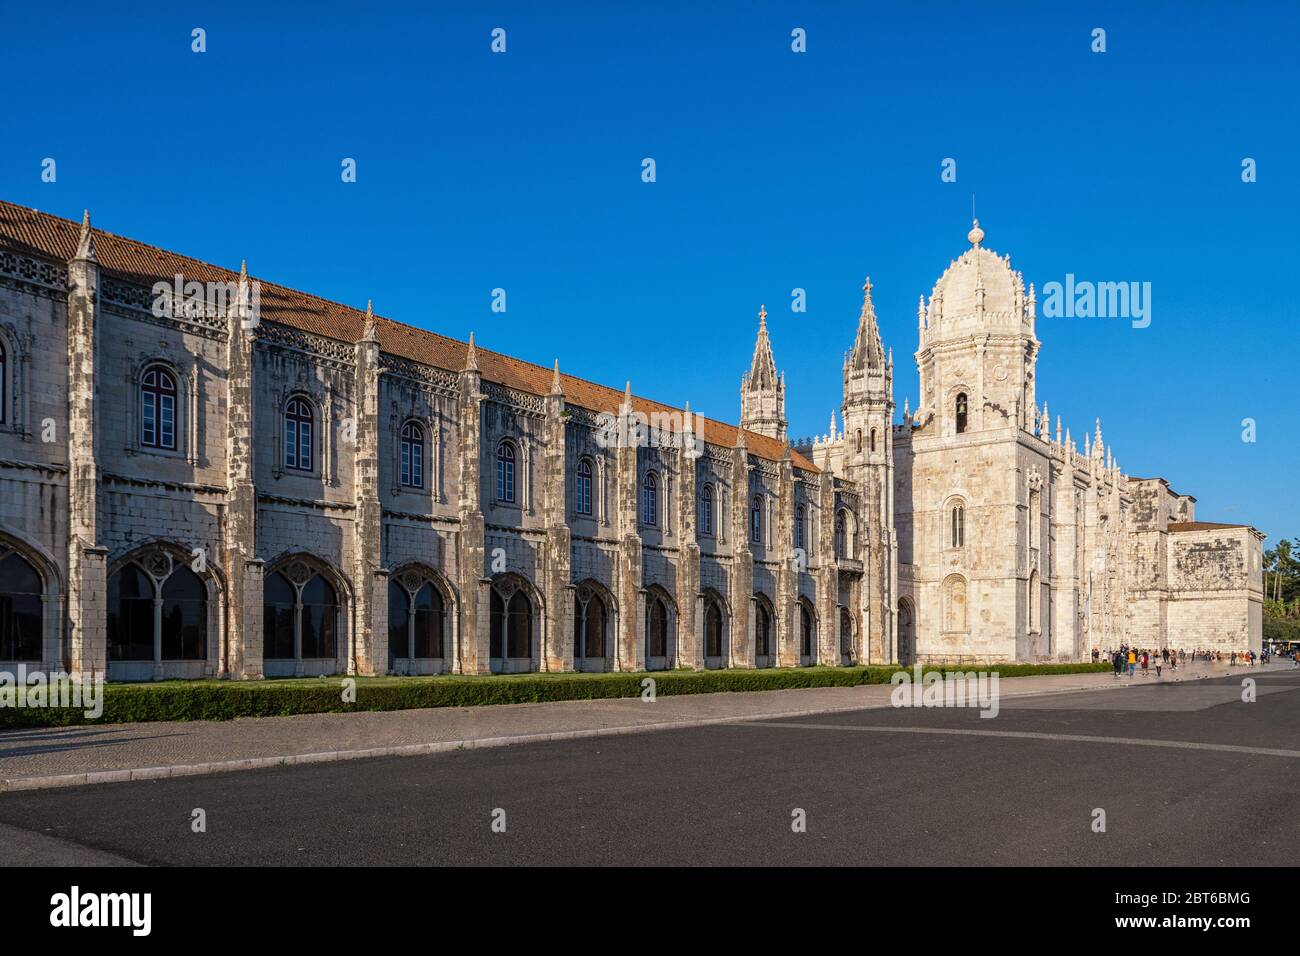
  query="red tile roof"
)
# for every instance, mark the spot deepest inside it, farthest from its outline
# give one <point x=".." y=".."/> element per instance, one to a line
<point x="1177" y="526"/>
<point x="31" y="232"/>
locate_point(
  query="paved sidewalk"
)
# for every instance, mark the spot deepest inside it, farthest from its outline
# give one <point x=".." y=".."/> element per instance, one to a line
<point x="69" y="756"/>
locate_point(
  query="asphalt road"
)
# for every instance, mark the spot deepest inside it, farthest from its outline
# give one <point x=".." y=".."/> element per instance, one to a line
<point x="1186" y="774"/>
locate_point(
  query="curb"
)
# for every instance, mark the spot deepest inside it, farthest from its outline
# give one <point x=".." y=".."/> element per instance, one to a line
<point x="18" y="784"/>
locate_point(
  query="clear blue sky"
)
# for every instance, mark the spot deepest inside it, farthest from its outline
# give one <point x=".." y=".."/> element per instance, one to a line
<point x="775" y="171"/>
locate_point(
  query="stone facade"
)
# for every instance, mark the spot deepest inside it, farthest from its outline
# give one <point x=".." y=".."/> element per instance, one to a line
<point x="268" y="484"/>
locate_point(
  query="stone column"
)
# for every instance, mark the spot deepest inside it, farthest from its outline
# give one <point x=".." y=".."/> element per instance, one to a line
<point x="87" y="564"/>
<point x="689" y="651"/>
<point x="828" y="575"/>
<point x="628" y="583"/>
<point x="740" y="643"/>
<point x="556" y="570"/>
<point x="370" y="580"/>
<point x="788" y="632"/>
<point x="473" y="583"/>
<point x="242" y="570"/>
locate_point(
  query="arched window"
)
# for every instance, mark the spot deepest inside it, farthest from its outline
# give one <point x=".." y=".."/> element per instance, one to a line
<point x="412" y="455"/>
<point x="706" y="510"/>
<point x="650" y="500"/>
<point x="806" y="632"/>
<point x="279" y="598"/>
<point x="428" y="623"/>
<point x="873" y="440"/>
<point x="512" y="625"/>
<point x="841" y="535"/>
<point x="846" y="633"/>
<point x="958" y="530"/>
<point x="158" y="408"/>
<point x="180" y="633"/>
<point x="799" y="529"/>
<point x="130" y="615"/>
<point x="298" y="425"/>
<point x="416" y="623"/>
<point x="859" y="440"/>
<point x="756" y="520"/>
<point x="713" y="630"/>
<point x="506" y="472"/>
<point x="762" y="630"/>
<point x="656" y="628"/>
<point x="299" y="623"/>
<point x="21" y="610"/>
<point x="4" y="395"/>
<point x="961" y="413"/>
<point x="399" y="621"/>
<point x="589" y="628"/>
<point x="184" y="616"/>
<point x="582" y="487"/>
<point x="319" y="619"/>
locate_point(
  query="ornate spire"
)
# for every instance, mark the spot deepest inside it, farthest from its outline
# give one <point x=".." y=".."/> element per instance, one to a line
<point x="471" y="356"/>
<point x="372" y="327"/>
<point x="762" y="371"/>
<point x="86" y="240"/>
<point x="868" y="351"/>
<point x="556" y="388"/>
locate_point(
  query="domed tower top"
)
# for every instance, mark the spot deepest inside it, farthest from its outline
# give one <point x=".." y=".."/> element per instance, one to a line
<point x="978" y="292"/>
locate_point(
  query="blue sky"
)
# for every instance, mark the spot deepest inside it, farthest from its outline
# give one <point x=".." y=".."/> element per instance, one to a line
<point x="775" y="170"/>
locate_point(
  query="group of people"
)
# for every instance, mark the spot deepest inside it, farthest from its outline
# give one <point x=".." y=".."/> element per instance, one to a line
<point x="1127" y="660"/>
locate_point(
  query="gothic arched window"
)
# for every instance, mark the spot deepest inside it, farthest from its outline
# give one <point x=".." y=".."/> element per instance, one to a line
<point x="512" y="625"/>
<point x="873" y="441"/>
<point x="582" y="488"/>
<point x="762" y="630"/>
<point x="756" y="520"/>
<point x="22" y="610"/>
<point x="298" y="425"/>
<point x="713" y="639"/>
<point x="589" y="628"/>
<point x="961" y="413"/>
<point x="412" y="455"/>
<point x="841" y="535"/>
<point x="958" y="526"/>
<point x="798" y="528"/>
<point x="706" y="510"/>
<point x="859" y="438"/>
<point x="650" y="500"/>
<point x="158" y="408"/>
<point x="656" y="628"/>
<point x="506" y="472"/>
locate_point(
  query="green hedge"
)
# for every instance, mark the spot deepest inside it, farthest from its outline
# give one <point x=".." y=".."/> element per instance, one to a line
<point x="226" y="700"/>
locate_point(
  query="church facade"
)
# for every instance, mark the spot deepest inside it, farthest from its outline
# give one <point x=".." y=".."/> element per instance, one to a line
<point x="203" y="474"/>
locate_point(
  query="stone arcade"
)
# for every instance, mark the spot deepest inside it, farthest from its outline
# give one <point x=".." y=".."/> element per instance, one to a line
<point x="315" y="489"/>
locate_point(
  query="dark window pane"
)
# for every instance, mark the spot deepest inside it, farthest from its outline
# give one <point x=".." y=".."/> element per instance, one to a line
<point x="398" y="606"/>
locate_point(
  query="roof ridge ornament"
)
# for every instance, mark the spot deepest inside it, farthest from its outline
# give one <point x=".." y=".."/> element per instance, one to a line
<point x="86" y="239"/>
<point x="471" y="356"/>
<point x="976" y="235"/>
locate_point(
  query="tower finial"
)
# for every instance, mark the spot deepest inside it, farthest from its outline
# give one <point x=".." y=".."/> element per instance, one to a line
<point x="976" y="235"/>
<point x="471" y="356"/>
<point x="86" y="239"/>
<point x="371" y="333"/>
<point x="762" y="316"/>
<point x="556" y="389"/>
